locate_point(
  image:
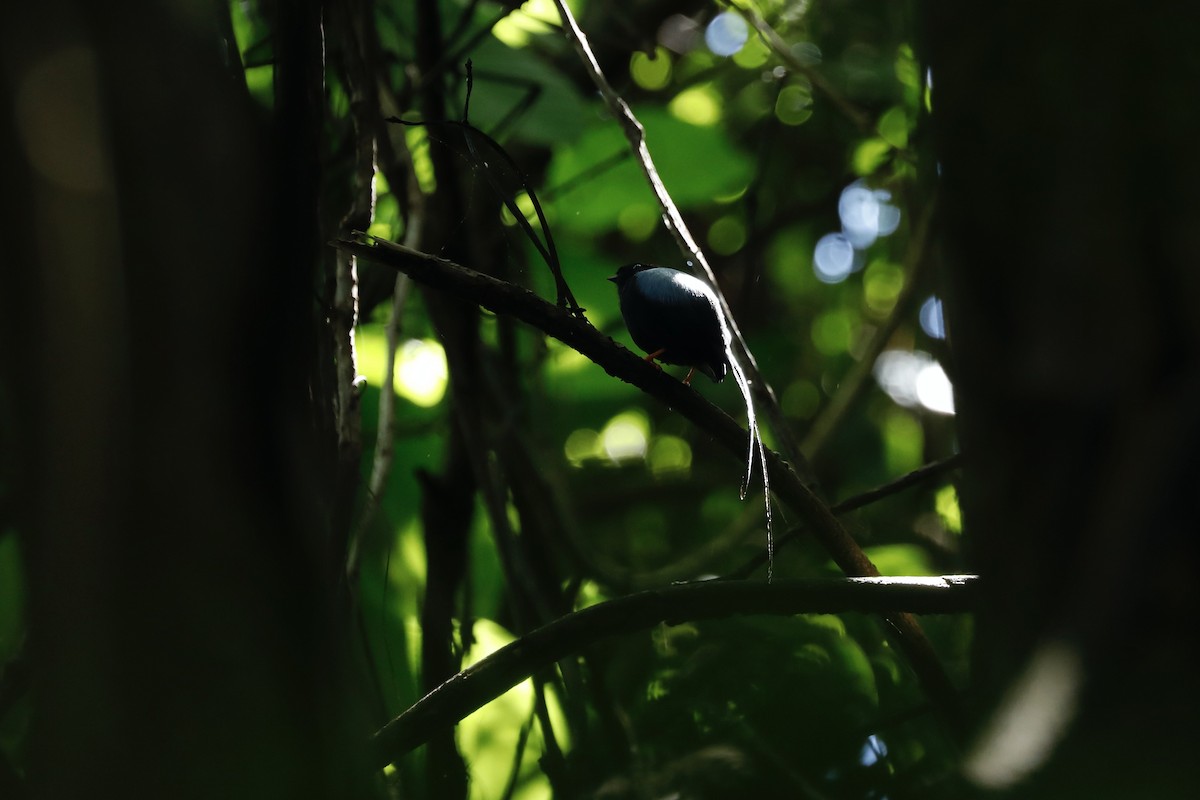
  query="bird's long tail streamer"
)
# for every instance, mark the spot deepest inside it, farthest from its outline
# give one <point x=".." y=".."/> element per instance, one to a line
<point x="756" y="448"/>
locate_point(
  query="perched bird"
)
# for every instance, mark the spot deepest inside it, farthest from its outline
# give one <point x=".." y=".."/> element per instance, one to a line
<point x="675" y="318"/>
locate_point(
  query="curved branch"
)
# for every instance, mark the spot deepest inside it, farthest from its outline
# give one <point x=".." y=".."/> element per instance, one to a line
<point x="508" y="666"/>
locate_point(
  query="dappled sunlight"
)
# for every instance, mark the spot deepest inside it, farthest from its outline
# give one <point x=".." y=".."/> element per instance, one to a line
<point x="833" y="258"/>
<point x="915" y="380"/>
<point x="794" y="103"/>
<point x="866" y="215"/>
<point x="726" y="34"/>
<point x="651" y="72"/>
<point x="421" y="372"/>
<point x="934" y="390"/>
<point x="669" y="455"/>
<point x="932" y="321"/>
<point x="626" y="437"/>
<point x="582" y="444"/>
<point x="699" y="105"/>
<point x="535" y="17"/>
<point x="489" y="737"/>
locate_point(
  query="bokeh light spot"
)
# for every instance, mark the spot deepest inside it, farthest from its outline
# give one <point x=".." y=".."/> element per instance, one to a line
<point x="753" y="54"/>
<point x="945" y="502"/>
<point x="678" y="33"/>
<point x="793" y="106"/>
<point x="726" y="34"/>
<point x="893" y="127"/>
<point x="582" y="444"/>
<point x="421" y="373"/>
<point x="872" y="751"/>
<point x="866" y="214"/>
<point x="934" y="390"/>
<point x="670" y="455"/>
<point x="932" y="321"/>
<point x="651" y="72"/>
<point x="535" y="17"/>
<point x="870" y="155"/>
<point x="626" y="436"/>
<point x="915" y="379"/>
<point x="833" y="258"/>
<point x="699" y="106"/>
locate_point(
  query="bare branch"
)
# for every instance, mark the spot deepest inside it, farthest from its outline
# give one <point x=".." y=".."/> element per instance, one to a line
<point x="918" y="475"/>
<point x="508" y="666"/>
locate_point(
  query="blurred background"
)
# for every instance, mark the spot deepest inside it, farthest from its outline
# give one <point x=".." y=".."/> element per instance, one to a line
<point x="258" y="499"/>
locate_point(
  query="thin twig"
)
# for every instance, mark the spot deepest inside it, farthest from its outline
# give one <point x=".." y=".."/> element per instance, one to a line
<point x="545" y="248"/>
<point x="508" y="666"/>
<point x="918" y="475"/>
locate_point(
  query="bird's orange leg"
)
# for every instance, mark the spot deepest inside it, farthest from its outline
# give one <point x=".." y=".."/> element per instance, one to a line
<point x="655" y="355"/>
<point x="688" y="380"/>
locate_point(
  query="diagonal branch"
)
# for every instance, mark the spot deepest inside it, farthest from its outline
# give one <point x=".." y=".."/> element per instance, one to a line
<point x="636" y="135"/>
<point x="508" y="666"/>
<point x="505" y="298"/>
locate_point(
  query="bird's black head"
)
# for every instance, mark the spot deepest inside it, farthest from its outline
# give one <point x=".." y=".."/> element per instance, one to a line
<point x="626" y="272"/>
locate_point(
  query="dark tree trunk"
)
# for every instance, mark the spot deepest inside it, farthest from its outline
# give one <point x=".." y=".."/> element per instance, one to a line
<point x="1066" y="140"/>
<point x="184" y="640"/>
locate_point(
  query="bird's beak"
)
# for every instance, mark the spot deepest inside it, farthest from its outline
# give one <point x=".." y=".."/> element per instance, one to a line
<point x="612" y="278"/>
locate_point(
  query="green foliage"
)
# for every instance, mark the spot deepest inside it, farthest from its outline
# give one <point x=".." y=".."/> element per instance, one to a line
<point x="601" y="489"/>
<point x="755" y="155"/>
<point x="598" y="205"/>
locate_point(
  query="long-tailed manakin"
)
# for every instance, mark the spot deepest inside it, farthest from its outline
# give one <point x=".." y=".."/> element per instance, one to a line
<point x="674" y="317"/>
